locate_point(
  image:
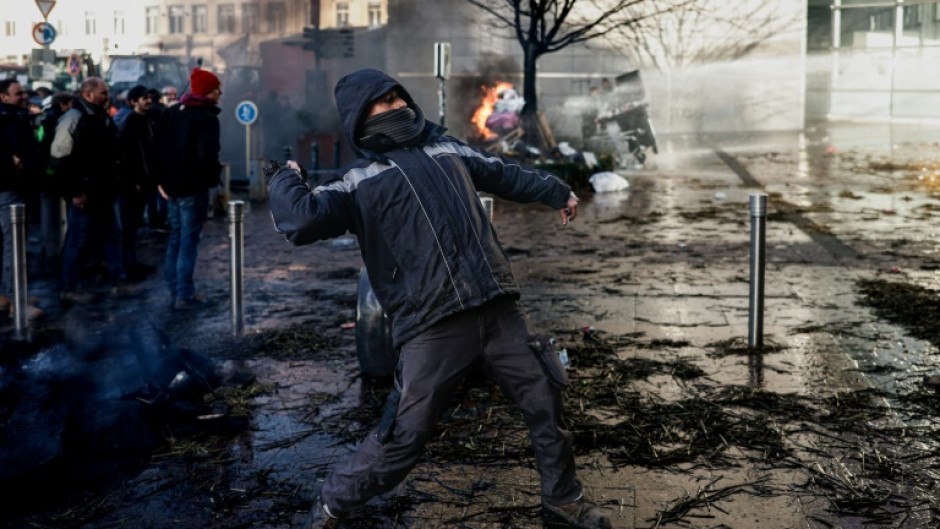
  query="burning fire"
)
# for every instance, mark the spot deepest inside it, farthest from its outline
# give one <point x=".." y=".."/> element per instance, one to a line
<point x="490" y="96"/>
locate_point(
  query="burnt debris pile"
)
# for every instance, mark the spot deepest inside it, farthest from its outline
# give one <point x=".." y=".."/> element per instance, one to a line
<point x="79" y="413"/>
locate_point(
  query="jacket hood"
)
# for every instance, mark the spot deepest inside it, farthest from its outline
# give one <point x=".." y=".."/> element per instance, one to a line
<point x="353" y="94"/>
<point x="190" y="99"/>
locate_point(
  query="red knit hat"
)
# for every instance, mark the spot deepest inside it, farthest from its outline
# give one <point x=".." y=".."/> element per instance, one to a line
<point x="201" y="82"/>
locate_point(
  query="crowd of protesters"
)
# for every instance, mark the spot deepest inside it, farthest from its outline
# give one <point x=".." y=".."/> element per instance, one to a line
<point x="139" y="163"/>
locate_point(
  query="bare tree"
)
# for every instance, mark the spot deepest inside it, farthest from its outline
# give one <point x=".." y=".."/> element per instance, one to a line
<point x="547" y="26"/>
<point x="704" y="31"/>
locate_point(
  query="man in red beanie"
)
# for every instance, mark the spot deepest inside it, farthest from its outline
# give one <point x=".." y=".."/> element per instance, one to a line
<point x="188" y="154"/>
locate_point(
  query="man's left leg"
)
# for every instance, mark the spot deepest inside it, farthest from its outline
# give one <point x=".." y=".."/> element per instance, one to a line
<point x="526" y="380"/>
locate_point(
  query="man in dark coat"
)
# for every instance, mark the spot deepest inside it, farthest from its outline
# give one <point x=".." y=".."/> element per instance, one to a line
<point x="84" y="157"/>
<point x="19" y="154"/>
<point x="138" y="175"/>
<point x="188" y="150"/>
<point x="445" y="282"/>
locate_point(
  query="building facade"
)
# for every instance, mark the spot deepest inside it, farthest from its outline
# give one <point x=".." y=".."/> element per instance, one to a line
<point x="217" y="33"/>
<point x="873" y="60"/>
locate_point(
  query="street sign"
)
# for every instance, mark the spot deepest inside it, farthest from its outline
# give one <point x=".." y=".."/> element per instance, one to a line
<point x="43" y="33"/>
<point x="74" y="65"/>
<point x="246" y="113"/>
<point x="45" y="6"/>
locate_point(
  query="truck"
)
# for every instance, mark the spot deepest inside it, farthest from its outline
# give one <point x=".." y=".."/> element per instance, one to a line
<point x="151" y="71"/>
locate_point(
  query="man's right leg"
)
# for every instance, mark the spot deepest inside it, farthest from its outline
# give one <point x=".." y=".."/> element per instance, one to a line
<point x="193" y="212"/>
<point x="429" y="369"/>
<point x="76" y="238"/>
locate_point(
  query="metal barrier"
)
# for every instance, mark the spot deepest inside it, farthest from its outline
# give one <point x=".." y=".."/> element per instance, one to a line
<point x="236" y="217"/>
<point x="755" y="325"/>
<point x="487" y="207"/>
<point x="18" y="224"/>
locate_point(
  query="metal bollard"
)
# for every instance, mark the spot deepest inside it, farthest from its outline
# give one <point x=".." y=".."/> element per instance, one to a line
<point x="314" y="156"/>
<point x="18" y="224"/>
<point x="487" y="207"/>
<point x="288" y="153"/>
<point x="236" y="217"/>
<point x="227" y="179"/>
<point x="336" y="161"/>
<point x="755" y="326"/>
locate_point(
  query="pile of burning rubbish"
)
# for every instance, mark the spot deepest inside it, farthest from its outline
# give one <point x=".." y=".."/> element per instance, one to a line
<point x="615" y="123"/>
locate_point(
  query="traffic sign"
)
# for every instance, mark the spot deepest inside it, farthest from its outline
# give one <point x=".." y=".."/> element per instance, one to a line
<point x="45" y="6"/>
<point x="246" y="113"/>
<point x="74" y="65"/>
<point x="44" y="33"/>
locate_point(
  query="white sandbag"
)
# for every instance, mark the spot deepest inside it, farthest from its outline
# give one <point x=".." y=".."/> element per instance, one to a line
<point x="607" y="182"/>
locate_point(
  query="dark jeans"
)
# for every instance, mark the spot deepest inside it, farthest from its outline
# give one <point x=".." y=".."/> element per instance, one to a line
<point x="187" y="216"/>
<point x="430" y="368"/>
<point x="97" y="222"/>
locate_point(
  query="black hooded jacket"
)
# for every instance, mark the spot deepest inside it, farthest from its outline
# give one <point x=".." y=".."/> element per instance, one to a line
<point x="427" y="243"/>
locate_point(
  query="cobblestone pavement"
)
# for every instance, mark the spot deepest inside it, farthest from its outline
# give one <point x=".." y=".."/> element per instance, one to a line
<point x="802" y="433"/>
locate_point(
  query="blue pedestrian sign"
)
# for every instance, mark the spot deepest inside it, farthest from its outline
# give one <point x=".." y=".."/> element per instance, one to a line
<point x="44" y="33"/>
<point x="246" y="113"/>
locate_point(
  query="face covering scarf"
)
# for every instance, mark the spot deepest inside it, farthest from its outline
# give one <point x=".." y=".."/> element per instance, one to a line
<point x="393" y="129"/>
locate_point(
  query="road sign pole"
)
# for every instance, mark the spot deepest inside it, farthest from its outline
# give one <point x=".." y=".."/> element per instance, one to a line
<point x="248" y="153"/>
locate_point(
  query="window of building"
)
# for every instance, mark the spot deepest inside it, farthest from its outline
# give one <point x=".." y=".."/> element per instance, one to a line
<point x="91" y="23"/>
<point x="119" y="23"/>
<point x="867" y="27"/>
<point x="200" y="19"/>
<point x="375" y="14"/>
<point x="921" y="27"/>
<point x="175" y="19"/>
<point x="9" y="28"/>
<point x="277" y="17"/>
<point x="227" y="18"/>
<point x="342" y="14"/>
<point x="152" y="26"/>
<point x="251" y="14"/>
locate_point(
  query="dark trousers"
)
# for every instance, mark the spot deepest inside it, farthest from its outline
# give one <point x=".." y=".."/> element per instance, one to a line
<point x="131" y="204"/>
<point x="430" y="368"/>
<point x="97" y="222"/>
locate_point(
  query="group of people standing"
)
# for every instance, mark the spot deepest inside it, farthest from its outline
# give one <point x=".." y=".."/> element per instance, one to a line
<point x="114" y="170"/>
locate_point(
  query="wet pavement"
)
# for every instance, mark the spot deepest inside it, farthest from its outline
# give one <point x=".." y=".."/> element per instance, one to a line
<point x="677" y="423"/>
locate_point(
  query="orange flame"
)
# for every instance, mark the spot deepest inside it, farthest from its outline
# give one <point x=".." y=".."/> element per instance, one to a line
<point x="485" y="110"/>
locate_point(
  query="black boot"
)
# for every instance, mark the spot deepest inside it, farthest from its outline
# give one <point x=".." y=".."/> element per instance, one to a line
<point x="320" y="518"/>
<point x="579" y="513"/>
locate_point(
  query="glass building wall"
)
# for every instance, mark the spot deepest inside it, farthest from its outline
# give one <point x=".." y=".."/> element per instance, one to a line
<point x="882" y="59"/>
